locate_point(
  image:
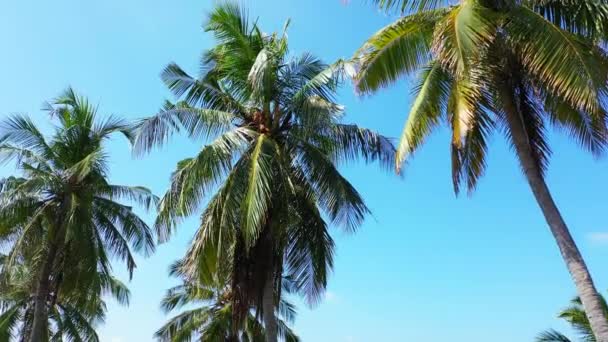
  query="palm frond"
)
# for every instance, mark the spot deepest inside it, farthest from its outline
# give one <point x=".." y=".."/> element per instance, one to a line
<point x="397" y="49"/>
<point x="432" y="93"/>
<point x="552" y="336"/>
<point x="198" y="123"/>
<point x="257" y="200"/>
<point x="19" y="130"/>
<point x="578" y="74"/>
<point x="586" y="17"/>
<point x="194" y="177"/>
<point x="462" y="35"/>
<point x="405" y="6"/>
<point x="342" y="203"/>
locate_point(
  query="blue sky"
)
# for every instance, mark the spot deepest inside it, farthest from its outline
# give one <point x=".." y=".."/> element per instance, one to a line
<point x="426" y="267"/>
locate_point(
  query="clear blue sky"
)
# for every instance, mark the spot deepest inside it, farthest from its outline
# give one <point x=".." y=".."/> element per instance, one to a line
<point x="426" y="267"/>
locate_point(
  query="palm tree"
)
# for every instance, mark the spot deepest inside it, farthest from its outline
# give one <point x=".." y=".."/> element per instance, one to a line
<point x="513" y="65"/>
<point x="277" y="140"/>
<point x="73" y="313"/>
<point x="211" y="318"/>
<point x="64" y="188"/>
<point x="576" y="317"/>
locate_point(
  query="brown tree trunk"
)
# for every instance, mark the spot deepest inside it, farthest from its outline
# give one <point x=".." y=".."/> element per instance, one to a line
<point x="569" y="251"/>
<point x="39" y="331"/>
<point x="268" y="306"/>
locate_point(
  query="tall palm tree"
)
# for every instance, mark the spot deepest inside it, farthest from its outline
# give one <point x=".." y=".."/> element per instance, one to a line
<point x="73" y="313"/>
<point x="211" y="318"/>
<point x="64" y="188"/>
<point x="277" y="140"/>
<point x="512" y="65"/>
<point x="576" y="317"/>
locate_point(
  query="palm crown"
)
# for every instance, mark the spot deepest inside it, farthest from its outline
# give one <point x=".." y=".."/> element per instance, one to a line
<point x="277" y="139"/>
<point x="62" y="206"/>
<point x="546" y="53"/>
<point x="510" y="65"/>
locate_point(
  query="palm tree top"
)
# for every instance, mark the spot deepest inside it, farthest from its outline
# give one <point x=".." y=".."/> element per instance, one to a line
<point x="69" y="170"/>
<point x="251" y="97"/>
<point x="462" y="50"/>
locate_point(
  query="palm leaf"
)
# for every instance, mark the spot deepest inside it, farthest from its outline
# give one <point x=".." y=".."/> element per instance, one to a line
<point x="431" y="100"/>
<point x="578" y="74"/>
<point x="400" y="48"/>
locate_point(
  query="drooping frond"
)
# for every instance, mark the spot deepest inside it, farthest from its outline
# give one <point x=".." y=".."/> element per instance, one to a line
<point x="194" y="177"/>
<point x="184" y="326"/>
<point x="578" y="73"/>
<point x="205" y="91"/>
<point x="262" y="76"/>
<point x="339" y="199"/>
<point x="258" y="195"/>
<point x="462" y="36"/>
<point x="348" y="143"/>
<point x="310" y="248"/>
<point x="197" y="123"/>
<point x="588" y="18"/>
<point x="19" y="130"/>
<point x="406" y="6"/>
<point x="181" y="295"/>
<point x="552" y="336"/>
<point x="527" y="120"/>
<point x="588" y="129"/>
<point x="471" y="162"/>
<point x="432" y="94"/>
<point x="399" y="48"/>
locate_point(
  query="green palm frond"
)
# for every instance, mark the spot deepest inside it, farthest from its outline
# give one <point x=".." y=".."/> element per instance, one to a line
<point x="310" y="249"/>
<point x="578" y="74"/>
<point x="350" y="143"/>
<point x="586" y="17"/>
<point x="529" y="120"/>
<point x="262" y="75"/>
<point x="181" y="295"/>
<point x="588" y="130"/>
<point x="195" y="177"/>
<point x="9" y="321"/>
<point x="279" y="139"/>
<point x="211" y="318"/>
<point x="462" y="35"/>
<point x="432" y="94"/>
<point x="197" y="123"/>
<point x="471" y="164"/>
<point x="397" y="49"/>
<point x="405" y="6"/>
<point x="183" y="326"/>
<point x="20" y="131"/>
<point x="552" y="336"/>
<point x="258" y="196"/>
<point x="60" y="219"/>
<point x="136" y="194"/>
<point x="340" y="200"/>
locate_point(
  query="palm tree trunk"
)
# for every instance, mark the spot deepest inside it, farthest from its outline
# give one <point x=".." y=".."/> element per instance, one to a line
<point x="569" y="251"/>
<point x="268" y="306"/>
<point x="39" y="330"/>
<point x="39" y="326"/>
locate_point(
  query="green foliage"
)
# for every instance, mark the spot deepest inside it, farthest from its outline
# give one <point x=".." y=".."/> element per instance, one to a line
<point x="73" y="312"/>
<point x="483" y="58"/>
<point x="62" y="213"/>
<point x="269" y="169"/>
<point x="209" y="316"/>
<point x="576" y="317"/>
